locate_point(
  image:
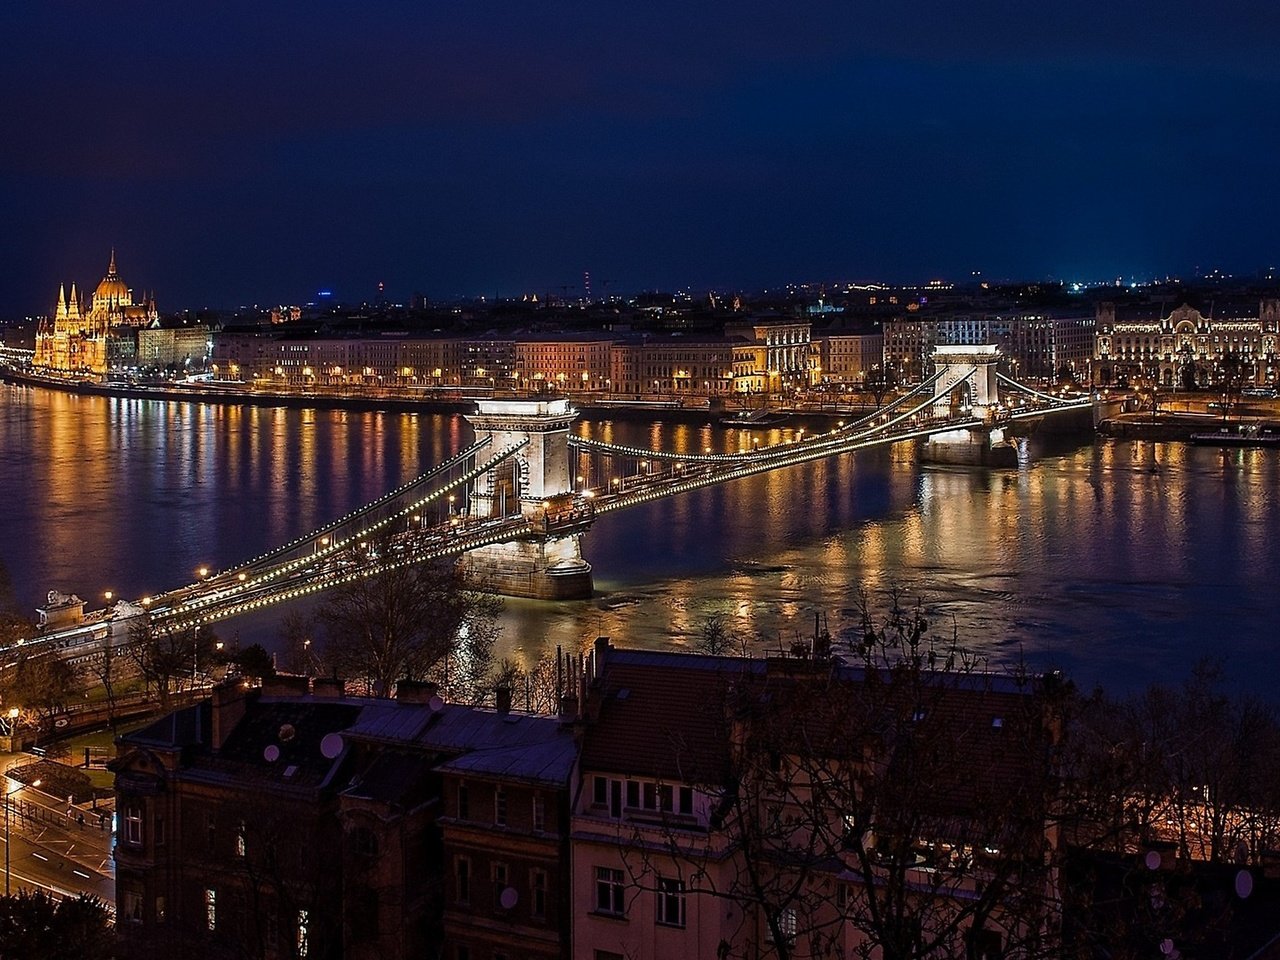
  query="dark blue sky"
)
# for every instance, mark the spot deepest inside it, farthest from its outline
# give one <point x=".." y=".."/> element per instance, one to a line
<point x="254" y="152"/>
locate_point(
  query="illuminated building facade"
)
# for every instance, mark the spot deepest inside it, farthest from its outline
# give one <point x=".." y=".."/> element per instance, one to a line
<point x="1039" y="345"/>
<point x="77" y="338"/>
<point x="788" y="361"/>
<point x="1185" y="346"/>
<point x="679" y="365"/>
<point x="848" y="357"/>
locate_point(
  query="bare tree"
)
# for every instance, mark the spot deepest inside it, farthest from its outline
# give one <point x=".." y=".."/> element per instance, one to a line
<point x="410" y="621"/>
<point x="718" y="638"/>
<point x="106" y="670"/>
<point x="535" y="687"/>
<point x="170" y="659"/>
<point x="296" y="637"/>
<point x="901" y="807"/>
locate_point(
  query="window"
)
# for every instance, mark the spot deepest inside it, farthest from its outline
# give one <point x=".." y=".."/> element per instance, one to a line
<point x="464" y="802"/>
<point x="539" y="813"/>
<point x="609" y="888"/>
<point x="160" y="910"/>
<point x="133" y="825"/>
<point x="665" y="798"/>
<point x="686" y="801"/>
<point x="786" y="924"/>
<point x="633" y="793"/>
<point x="600" y="791"/>
<point x="240" y="845"/>
<point x="671" y="902"/>
<point x="498" y="873"/>
<point x="462" y="878"/>
<point x="364" y="842"/>
<point x="210" y="909"/>
<point x="160" y="831"/>
<point x="302" y="941"/>
<point x="500" y="807"/>
<point x="538" y="889"/>
<point x="131" y="906"/>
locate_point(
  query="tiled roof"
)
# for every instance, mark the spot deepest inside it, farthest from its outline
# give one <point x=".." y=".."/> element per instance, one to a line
<point x="182" y="728"/>
<point x="395" y="778"/>
<point x="480" y="741"/>
<point x="662" y="715"/>
<point x="549" y="762"/>
<point x="295" y="727"/>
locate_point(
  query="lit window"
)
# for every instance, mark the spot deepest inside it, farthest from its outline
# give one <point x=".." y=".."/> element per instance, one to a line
<point x="210" y="909"/>
<point x="303" y="941"/>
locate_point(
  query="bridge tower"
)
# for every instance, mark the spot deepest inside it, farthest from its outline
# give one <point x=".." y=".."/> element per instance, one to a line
<point x="967" y="385"/>
<point x="534" y="483"/>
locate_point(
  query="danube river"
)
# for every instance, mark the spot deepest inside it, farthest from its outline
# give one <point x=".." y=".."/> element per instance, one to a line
<point x="1119" y="562"/>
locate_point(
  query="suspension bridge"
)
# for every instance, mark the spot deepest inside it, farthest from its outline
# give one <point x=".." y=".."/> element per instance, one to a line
<point x="515" y="504"/>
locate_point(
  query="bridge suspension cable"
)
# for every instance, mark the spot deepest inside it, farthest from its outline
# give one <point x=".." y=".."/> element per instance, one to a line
<point x="805" y="454"/>
<point x="200" y="595"/>
<point x="1010" y="382"/>
<point x="765" y="452"/>
<point x="273" y="555"/>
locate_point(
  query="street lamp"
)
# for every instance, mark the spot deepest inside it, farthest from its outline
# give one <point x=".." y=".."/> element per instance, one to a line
<point x="7" y="803"/>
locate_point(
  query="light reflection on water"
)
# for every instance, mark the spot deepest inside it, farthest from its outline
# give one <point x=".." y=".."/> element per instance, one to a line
<point x="1121" y="561"/>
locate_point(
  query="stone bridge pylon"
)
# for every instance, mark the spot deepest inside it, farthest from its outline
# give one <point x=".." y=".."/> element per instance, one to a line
<point x="536" y="483"/>
<point x="968" y="385"/>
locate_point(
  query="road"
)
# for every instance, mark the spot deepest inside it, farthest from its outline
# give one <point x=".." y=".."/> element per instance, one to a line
<point x="56" y="852"/>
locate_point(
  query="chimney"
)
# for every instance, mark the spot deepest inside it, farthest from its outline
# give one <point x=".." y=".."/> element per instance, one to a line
<point x="415" y="691"/>
<point x="329" y="689"/>
<point x="569" y="693"/>
<point x="601" y="656"/>
<point x="503" y="696"/>
<point x="286" y="685"/>
<point x="229" y="705"/>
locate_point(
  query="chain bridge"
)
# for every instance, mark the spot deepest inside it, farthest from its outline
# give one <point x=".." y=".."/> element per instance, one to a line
<point x="514" y="505"/>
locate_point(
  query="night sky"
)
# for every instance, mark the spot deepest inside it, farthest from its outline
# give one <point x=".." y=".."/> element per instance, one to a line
<point x="239" y="153"/>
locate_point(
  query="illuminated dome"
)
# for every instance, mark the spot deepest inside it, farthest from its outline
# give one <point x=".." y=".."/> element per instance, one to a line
<point x="112" y="289"/>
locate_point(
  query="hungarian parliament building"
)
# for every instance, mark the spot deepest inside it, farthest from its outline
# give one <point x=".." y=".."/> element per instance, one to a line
<point x="79" y="338"/>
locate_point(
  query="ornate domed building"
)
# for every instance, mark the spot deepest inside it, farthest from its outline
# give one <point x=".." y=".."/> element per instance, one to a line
<point x="76" y="340"/>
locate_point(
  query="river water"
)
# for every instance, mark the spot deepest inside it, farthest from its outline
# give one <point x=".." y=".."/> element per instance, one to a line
<point x="1120" y="562"/>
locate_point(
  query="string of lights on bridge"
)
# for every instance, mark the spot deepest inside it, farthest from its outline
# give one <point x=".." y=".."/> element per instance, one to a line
<point x="325" y="547"/>
<point x="221" y="596"/>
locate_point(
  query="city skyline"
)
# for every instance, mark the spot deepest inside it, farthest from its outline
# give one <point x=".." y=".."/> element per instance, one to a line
<point x="238" y="155"/>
